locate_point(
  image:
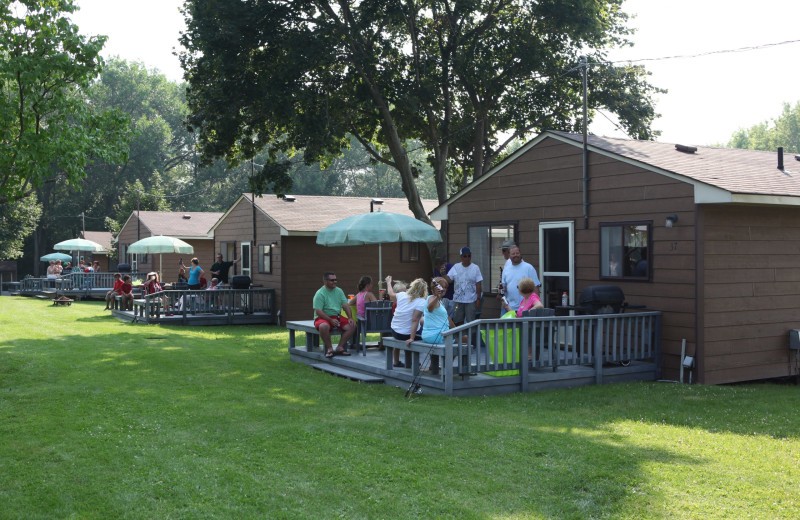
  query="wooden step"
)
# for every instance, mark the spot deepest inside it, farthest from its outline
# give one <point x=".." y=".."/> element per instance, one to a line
<point x="349" y="374"/>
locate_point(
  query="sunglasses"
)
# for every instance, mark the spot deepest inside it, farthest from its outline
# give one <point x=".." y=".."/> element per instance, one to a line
<point x="466" y="256"/>
<point x="333" y="280"/>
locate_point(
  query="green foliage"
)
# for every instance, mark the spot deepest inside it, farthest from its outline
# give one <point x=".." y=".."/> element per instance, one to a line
<point x="47" y="129"/>
<point x="300" y="76"/>
<point x="103" y="419"/>
<point x="18" y="219"/>
<point x="769" y="135"/>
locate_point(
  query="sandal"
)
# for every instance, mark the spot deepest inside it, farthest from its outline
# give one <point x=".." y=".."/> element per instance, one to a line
<point x="329" y="354"/>
<point x="342" y="352"/>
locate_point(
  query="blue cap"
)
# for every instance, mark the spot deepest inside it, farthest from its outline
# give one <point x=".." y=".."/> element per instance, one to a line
<point x="465" y="251"/>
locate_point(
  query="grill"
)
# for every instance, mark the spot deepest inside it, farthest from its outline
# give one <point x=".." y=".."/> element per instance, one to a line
<point x="123" y="268"/>
<point x="603" y="299"/>
<point x="240" y="282"/>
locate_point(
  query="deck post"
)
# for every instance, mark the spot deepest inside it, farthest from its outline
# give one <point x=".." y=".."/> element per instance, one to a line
<point x="522" y="350"/>
<point x="447" y="365"/>
<point x="598" y="351"/>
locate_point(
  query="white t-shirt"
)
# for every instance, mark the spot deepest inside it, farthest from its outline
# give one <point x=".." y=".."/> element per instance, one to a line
<point x="512" y="274"/>
<point x="404" y="313"/>
<point x="464" y="282"/>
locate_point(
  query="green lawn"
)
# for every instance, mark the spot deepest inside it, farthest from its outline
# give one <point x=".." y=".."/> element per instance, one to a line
<point x="103" y="419"/>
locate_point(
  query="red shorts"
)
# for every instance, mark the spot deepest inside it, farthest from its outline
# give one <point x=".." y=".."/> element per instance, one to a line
<point x="342" y="323"/>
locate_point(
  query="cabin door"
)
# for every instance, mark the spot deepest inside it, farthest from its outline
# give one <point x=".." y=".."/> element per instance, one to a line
<point x="557" y="262"/>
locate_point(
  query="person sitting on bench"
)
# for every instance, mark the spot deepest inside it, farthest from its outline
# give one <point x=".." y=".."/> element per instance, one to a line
<point x="329" y="301"/>
<point x="127" y="293"/>
<point x="110" y="295"/>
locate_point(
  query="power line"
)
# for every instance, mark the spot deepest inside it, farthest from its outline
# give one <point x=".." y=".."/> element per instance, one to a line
<point x="710" y="53"/>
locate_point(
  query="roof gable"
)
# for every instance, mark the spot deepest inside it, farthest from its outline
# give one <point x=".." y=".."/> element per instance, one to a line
<point x="184" y="224"/>
<point x="718" y="174"/>
<point x="308" y="214"/>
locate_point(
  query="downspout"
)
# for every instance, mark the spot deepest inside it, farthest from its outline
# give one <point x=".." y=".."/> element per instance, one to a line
<point x="585" y="145"/>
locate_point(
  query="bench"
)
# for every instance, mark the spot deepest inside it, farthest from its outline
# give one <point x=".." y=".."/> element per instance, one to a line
<point x="66" y="301"/>
<point x="312" y="334"/>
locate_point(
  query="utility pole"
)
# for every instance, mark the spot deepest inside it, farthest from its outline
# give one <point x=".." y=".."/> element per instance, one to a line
<point x="83" y="224"/>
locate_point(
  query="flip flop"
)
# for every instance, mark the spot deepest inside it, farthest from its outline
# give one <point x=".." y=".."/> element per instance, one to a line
<point x="342" y="353"/>
<point x="329" y="354"/>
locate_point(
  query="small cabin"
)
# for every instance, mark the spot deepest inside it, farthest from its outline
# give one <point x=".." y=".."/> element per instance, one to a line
<point x="709" y="236"/>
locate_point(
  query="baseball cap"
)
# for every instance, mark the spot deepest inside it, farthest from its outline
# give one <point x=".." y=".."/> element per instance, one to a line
<point x="465" y="251"/>
<point x="508" y="244"/>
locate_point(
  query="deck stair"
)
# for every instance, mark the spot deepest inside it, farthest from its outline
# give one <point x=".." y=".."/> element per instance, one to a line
<point x="349" y="374"/>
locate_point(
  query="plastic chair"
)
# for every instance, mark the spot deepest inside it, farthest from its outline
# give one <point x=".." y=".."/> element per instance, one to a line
<point x="377" y="318"/>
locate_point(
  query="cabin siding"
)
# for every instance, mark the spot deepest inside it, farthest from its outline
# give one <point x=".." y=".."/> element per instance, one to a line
<point x="545" y="184"/>
<point x="752" y="291"/>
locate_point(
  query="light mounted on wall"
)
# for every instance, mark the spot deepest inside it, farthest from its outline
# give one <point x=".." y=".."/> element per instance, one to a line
<point x="373" y="203"/>
<point x="274" y="243"/>
<point x="671" y="220"/>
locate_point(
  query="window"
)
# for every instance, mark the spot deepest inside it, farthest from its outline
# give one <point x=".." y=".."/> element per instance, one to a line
<point x="484" y="242"/>
<point x="228" y="251"/>
<point x="409" y="252"/>
<point x="264" y="258"/>
<point x="625" y="250"/>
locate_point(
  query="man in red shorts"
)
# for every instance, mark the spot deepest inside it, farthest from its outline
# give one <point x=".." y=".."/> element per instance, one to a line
<point x="328" y="304"/>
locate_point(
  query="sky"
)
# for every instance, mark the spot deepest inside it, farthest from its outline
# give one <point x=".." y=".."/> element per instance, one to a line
<point x="709" y="97"/>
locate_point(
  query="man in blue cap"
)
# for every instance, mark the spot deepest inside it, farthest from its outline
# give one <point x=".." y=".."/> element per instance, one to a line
<point x="466" y="278"/>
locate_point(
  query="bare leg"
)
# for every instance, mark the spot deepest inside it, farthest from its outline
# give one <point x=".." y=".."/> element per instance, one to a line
<point x="325" y="336"/>
<point x="347" y="333"/>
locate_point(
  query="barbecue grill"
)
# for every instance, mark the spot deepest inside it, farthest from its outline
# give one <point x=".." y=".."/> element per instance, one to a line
<point x="602" y="299"/>
<point x="240" y="282"/>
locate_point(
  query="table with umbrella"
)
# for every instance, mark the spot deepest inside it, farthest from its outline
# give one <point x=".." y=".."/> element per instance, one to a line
<point x="80" y="244"/>
<point x="56" y="256"/>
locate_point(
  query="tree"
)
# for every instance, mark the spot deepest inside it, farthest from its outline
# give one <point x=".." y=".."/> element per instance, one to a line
<point x="769" y="135"/>
<point x="18" y="219"/>
<point x="47" y="129"/>
<point x="299" y="76"/>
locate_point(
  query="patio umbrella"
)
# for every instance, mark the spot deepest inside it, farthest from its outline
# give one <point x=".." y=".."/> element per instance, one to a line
<point x="56" y="256"/>
<point x="161" y="244"/>
<point x="79" y="244"/>
<point x="380" y="227"/>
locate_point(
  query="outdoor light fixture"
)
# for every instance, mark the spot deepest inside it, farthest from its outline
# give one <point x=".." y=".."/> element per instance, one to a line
<point x="274" y="243"/>
<point x="671" y="220"/>
<point x="373" y="203"/>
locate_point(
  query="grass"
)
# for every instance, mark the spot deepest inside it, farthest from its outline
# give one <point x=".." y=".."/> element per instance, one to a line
<point x="103" y="419"/>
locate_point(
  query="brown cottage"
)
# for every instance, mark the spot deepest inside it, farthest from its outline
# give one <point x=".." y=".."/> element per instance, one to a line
<point x="280" y="235"/>
<point x="191" y="227"/>
<point x="709" y="236"/>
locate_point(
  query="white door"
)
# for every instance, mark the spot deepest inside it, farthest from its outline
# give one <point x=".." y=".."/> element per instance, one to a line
<point x="557" y="262"/>
<point x="246" y="257"/>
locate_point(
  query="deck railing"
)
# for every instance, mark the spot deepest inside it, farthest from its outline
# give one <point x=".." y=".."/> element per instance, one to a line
<point x="219" y="302"/>
<point x="88" y="281"/>
<point x="502" y="345"/>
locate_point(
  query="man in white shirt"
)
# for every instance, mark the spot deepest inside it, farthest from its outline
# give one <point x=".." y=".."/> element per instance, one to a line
<point x="466" y="277"/>
<point x="515" y="271"/>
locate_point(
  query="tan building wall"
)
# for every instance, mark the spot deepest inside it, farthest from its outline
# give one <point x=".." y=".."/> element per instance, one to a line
<point x="545" y="185"/>
<point x="750" y="291"/>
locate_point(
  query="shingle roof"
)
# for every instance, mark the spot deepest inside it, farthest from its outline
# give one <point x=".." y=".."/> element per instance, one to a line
<point x="177" y="225"/>
<point x="311" y="213"/>
<point x="103" y="238"/>
<point x="730" y="169"/>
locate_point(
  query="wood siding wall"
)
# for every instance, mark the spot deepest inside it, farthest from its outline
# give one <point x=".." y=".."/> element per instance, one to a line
<point x="751" y="286"/>
<point x="545" y="184"/>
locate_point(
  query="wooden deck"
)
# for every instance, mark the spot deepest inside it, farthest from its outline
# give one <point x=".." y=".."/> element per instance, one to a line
<point x="199" y="307"/>
<point x="565" y="352"/>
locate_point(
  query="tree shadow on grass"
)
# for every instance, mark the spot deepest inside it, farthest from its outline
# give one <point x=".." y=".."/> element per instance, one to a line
<point x="331" y="446"/>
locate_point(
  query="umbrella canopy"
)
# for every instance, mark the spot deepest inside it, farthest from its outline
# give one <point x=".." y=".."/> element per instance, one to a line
<point x="377" y="228"/>
<point x="79" y="244"/>
<point x="56" y="256"/>
<point x="161" y="244"/>
<point x="380" y="227"/>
